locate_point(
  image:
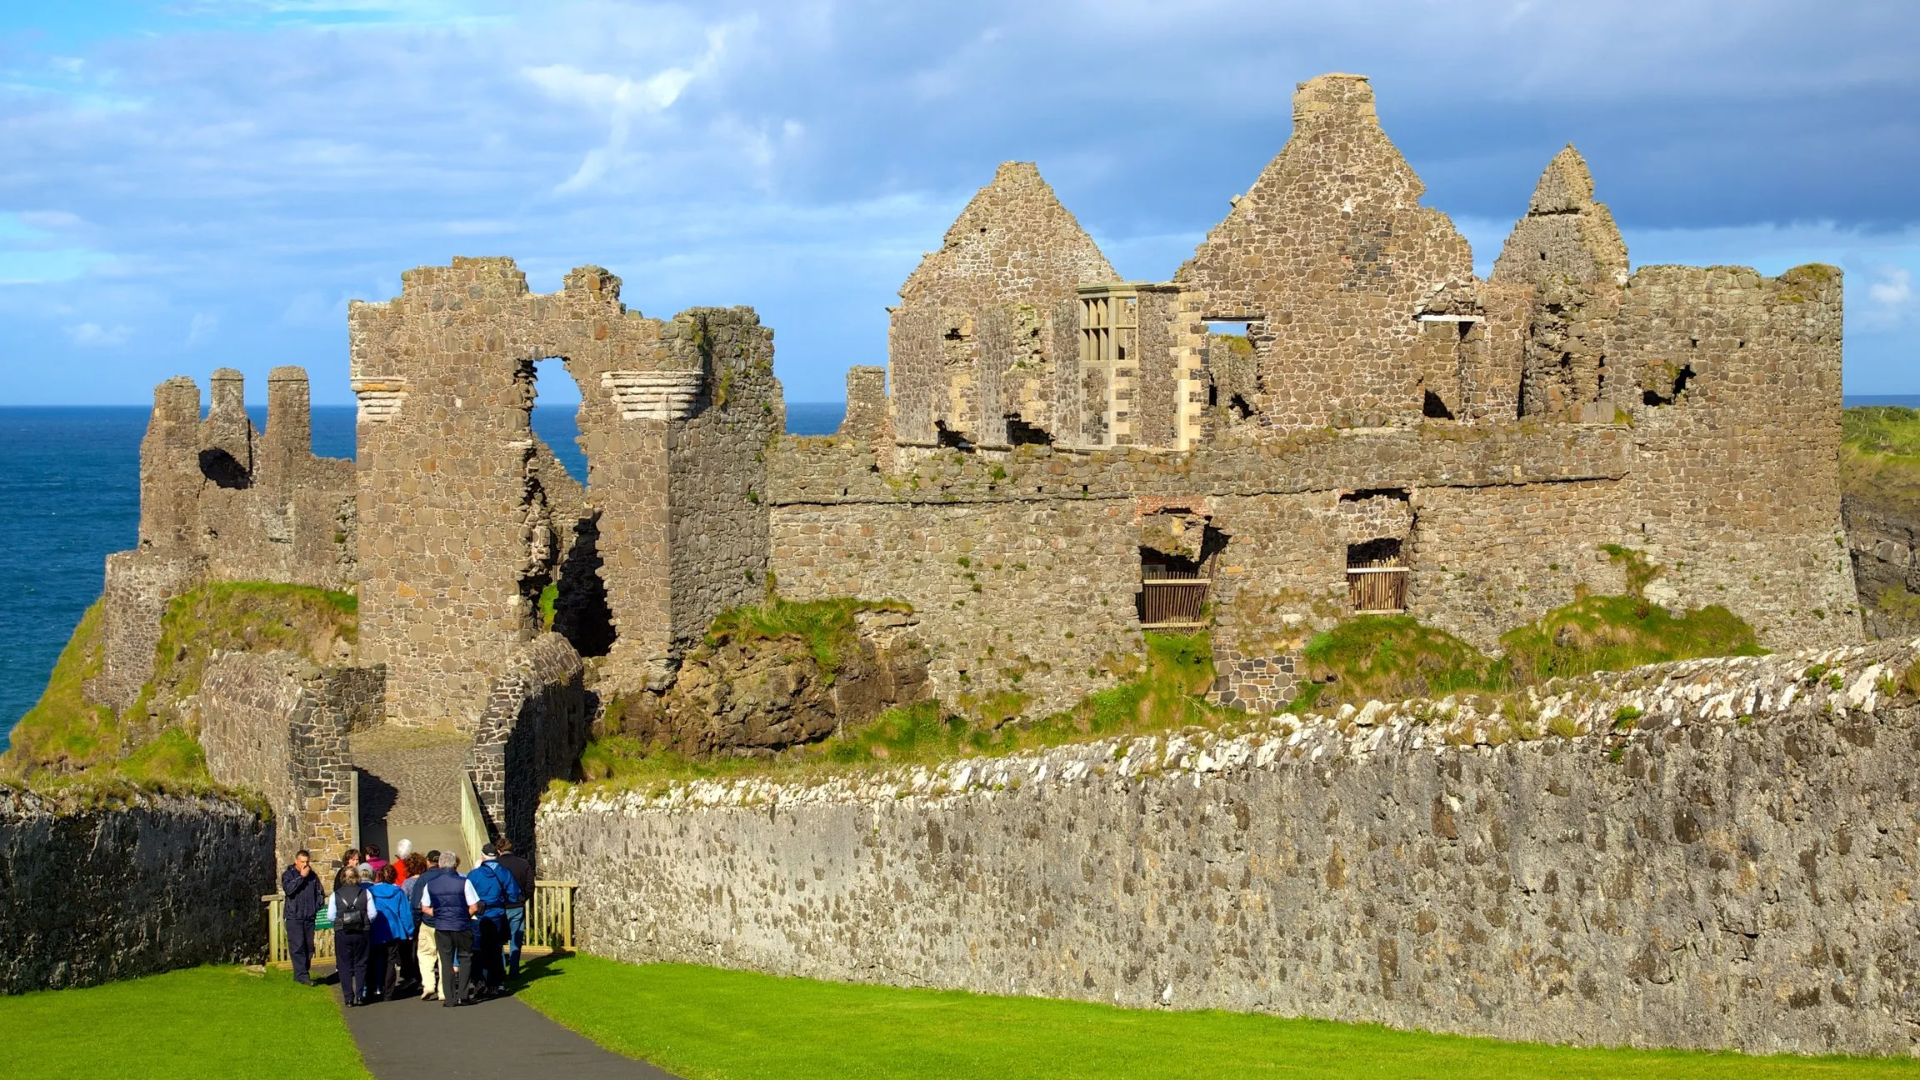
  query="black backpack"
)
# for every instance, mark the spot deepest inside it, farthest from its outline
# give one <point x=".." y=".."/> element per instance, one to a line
<point x="349" y="910"/>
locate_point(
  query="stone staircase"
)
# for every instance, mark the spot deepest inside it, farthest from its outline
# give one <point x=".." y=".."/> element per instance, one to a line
<point x="410" y="788"/>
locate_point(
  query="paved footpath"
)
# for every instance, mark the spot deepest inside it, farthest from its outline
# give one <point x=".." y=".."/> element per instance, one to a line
<point x="502" y="1039"/>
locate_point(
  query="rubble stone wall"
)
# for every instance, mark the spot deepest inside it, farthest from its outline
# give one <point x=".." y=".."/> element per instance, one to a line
<point x="533" y="731"/>
<point x="277" y="723"/>
<point x="1735" y="872"/>
<point x="95" y="893"/>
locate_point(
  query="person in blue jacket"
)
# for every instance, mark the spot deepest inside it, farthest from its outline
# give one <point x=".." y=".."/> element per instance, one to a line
<point x="392" y="932"/>
<point x="496" y="888"/>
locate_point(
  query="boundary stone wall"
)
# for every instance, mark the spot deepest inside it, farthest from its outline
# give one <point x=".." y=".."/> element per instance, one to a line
<point x="1737" y="872"/>
<point x="89" y="894"/>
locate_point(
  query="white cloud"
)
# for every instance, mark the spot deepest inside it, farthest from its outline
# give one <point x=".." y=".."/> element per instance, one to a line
<point x="202" y="328"/>
<point x="622" y="99"/>
<point x="1894" y="287"/>
<point x="93" y="335"/>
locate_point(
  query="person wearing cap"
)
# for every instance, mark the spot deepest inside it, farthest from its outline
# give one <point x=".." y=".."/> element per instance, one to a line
<point x="496" y="889"/>
<point x="522" y="872"/>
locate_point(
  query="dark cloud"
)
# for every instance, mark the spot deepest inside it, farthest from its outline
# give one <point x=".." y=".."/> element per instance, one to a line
<point x="244" y="169"/>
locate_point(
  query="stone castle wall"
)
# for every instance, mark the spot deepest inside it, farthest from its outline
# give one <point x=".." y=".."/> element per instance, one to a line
<point x="275" y="722"/>
<point x="533" y="731"/>
<point x="461" y="533"/>
<point x="151" y="883"/>
<point x="222" y="501"/>
<point x="1734" y="873"/>
<point x="976" y="338"/>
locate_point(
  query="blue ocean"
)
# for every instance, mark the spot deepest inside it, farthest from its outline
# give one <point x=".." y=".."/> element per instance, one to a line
<point x="72" y="497"/>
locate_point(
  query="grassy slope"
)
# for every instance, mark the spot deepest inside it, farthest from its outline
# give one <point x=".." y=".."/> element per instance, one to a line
<point x="61" y="726"/>
<point x="708" y="1024"/>
<point x="1158" y="693"/>
<point x="153" y="742"/>
<point x="209" y="1023"/>
<point x="1880" y="466"/>
<point x="1880" y="454"/>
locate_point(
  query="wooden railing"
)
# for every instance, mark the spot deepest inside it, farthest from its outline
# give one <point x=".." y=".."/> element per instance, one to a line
<point x="1379" y="589"/>
<point x="549" y="923"/>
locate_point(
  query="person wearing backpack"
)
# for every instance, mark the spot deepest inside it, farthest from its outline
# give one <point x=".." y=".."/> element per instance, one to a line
<point x="351" y="908"/>
<point x="496" y="888"/>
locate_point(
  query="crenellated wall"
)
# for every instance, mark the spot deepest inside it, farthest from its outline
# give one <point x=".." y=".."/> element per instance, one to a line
<point x="1735" y="872"/>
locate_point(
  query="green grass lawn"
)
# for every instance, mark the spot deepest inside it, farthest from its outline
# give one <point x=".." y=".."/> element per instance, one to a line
<point x="708" y="1024"/>
<point x="205" y="1023"/>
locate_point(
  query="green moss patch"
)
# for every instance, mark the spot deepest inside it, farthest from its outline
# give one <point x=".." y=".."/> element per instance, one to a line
<point x="1159" y="691"/>
<point x="824" y="629"/>
<point x="1613" y="633"/>
<point x="1395" y="657"/>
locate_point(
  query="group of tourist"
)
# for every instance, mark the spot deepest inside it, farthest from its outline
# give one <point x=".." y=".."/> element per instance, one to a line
<point x="415" y="925"/>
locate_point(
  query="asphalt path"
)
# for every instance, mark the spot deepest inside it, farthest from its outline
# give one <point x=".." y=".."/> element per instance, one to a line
<point x="502" y="1039"/>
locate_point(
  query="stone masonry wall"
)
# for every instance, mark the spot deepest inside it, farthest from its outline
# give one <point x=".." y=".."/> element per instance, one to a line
<point x="1736" y="872"/>
<point x="1330" y="255"/>
<point x="91" y="893"/>
<point x="221" y="501"/>
<point x="975" y="336"/>
<point x="275" y="722"/>
<point x="533" y="731"/>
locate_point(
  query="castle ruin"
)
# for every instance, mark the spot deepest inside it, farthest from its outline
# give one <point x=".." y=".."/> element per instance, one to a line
<point x="1323" y="411"/>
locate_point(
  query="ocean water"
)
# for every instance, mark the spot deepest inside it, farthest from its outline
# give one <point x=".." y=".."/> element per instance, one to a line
<point x="71" y="497"/>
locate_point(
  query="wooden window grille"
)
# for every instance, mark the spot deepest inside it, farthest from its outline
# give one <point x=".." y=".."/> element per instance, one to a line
<point x="1377" y="578"/>
<point x="1174" y="597"/>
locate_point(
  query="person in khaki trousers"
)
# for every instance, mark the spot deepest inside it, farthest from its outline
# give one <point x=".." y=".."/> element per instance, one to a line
<point x="428" y="950"/>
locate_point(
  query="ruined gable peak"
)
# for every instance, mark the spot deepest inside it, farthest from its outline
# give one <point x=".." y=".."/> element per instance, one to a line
<point x="1016" y="223"/>
<point x="1333" y="98"/>
<point x="1565" y="233"/>
<point x="1566" y="187"/>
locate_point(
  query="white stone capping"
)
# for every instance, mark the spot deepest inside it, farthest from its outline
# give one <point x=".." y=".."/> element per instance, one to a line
<point x="380" y="397"/>
<point x="655" y="395"/>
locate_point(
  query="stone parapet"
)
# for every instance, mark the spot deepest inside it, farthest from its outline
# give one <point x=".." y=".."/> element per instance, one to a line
<point x="1730" y="870"/>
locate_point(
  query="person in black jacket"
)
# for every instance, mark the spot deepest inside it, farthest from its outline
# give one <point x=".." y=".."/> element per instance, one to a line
<point x="303" y="899"/>
<point x="522" y="872"/>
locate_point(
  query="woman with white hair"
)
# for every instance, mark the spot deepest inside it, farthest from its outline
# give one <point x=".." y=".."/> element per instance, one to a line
<point x="351" y="907"/>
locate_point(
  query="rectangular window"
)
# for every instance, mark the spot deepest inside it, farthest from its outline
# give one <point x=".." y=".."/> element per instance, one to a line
<point x="1377" y="577"/>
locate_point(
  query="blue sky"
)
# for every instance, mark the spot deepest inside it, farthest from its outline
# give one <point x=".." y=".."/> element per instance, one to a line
<point x="191" y="184"/>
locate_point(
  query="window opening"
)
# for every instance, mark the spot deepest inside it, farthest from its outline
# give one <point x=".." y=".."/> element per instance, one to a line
<point x="949" y="438"/>
<point x="1435" y="409"/>
<point x="1174" y="586"/>
<point x="1377" y="577"/>
<point x="555" y="415"/>
<point x="1021" y="433"/>
<point x="1680" y="381"/>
